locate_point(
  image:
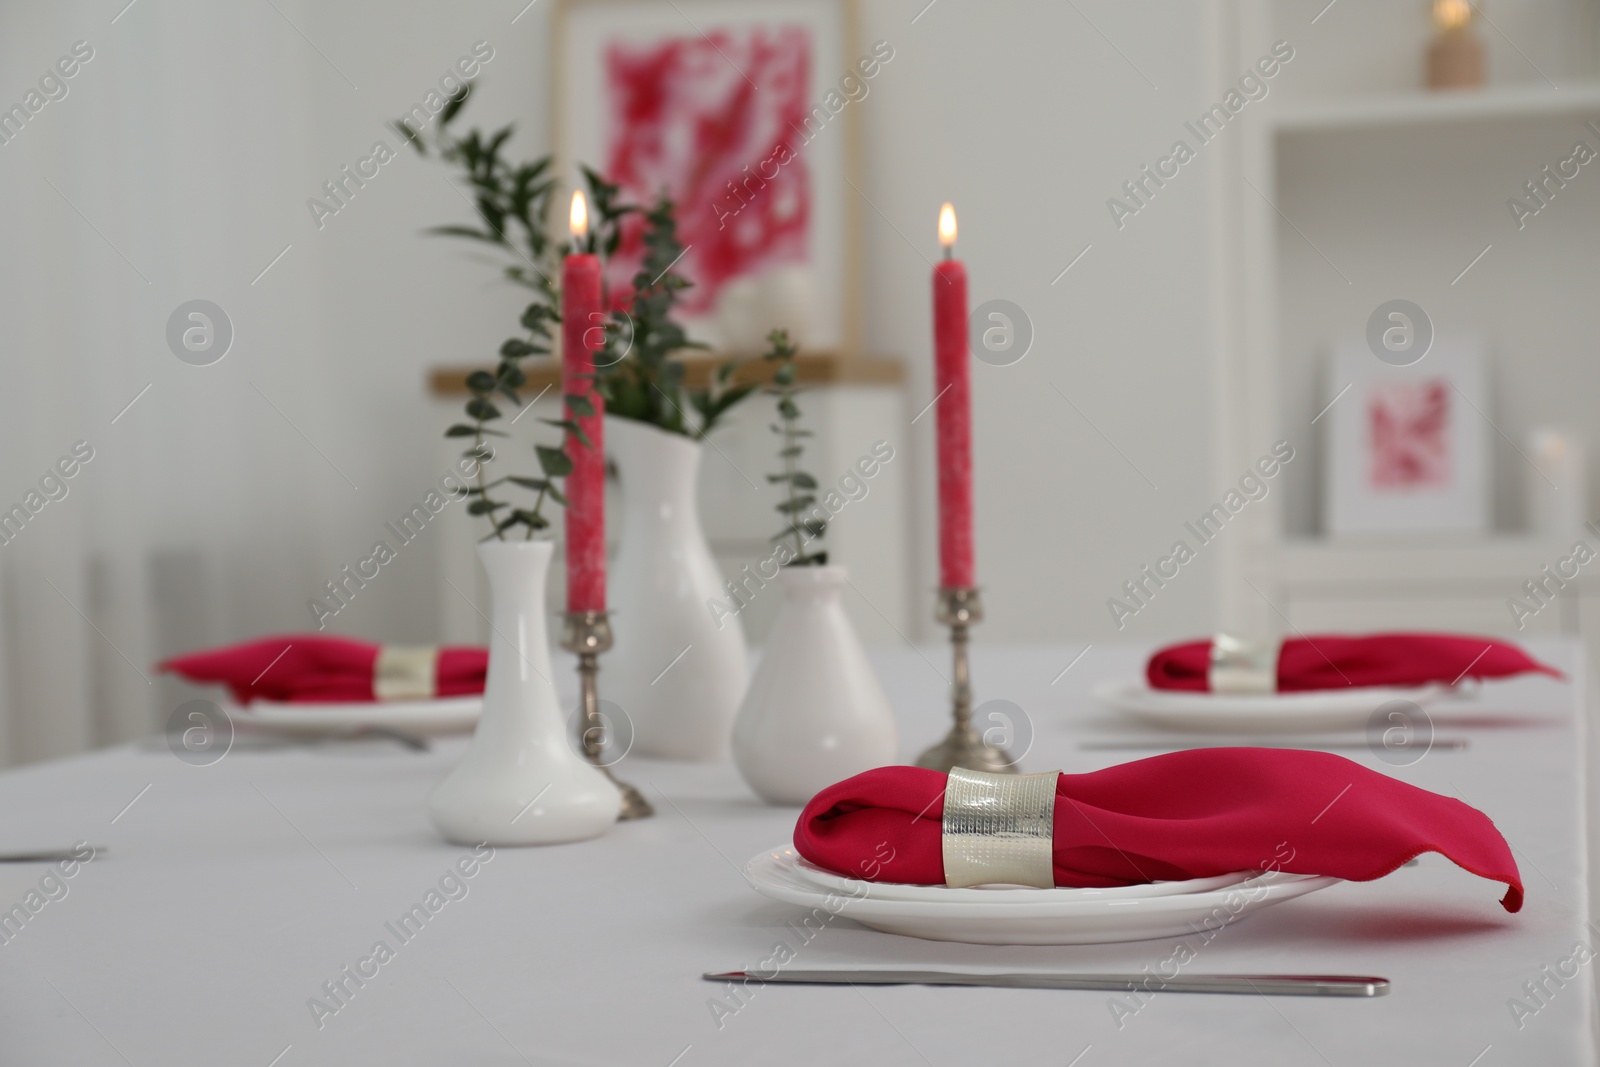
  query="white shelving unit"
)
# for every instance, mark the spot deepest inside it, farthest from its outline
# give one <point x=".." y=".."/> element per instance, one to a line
<point x="1427" y="109"/>
<point x="1326" y="208"/>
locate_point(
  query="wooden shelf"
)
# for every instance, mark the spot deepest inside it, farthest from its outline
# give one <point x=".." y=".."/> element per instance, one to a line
<point x="1423" y="108"/>
<point x="811" y="368"/>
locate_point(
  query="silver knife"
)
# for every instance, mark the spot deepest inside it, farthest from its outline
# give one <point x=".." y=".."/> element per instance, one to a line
<point x="1299" y="985"/>
<point x="1442" y="744"/>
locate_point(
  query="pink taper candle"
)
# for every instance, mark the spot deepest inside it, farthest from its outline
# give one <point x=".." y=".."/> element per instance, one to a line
<point x="952" y="373"/>
<point x="582" y="333"/>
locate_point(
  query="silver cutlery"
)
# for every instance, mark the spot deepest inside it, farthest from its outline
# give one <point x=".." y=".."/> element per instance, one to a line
<point x="1296" y="985"/>
<point x="1439" y="744"/>
<point x="266" y="742"/>
<point x="412" y="741"/>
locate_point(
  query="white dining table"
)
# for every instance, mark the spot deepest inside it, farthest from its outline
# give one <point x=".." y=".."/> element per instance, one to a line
<point x="232" y="897"/>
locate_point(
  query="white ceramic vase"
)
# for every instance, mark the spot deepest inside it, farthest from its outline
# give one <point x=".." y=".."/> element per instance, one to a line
<point x="815" y="712"/>
<point x="522" y="782"/>
<point x="676" y="671"/>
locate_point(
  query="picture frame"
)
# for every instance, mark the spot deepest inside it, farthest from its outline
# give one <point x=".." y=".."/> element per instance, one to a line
<point x="747" y="113"/>
<point x="1407" y="446"/>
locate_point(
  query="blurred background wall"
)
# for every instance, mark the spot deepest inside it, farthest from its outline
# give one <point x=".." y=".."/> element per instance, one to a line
<point x="178" y="167"/>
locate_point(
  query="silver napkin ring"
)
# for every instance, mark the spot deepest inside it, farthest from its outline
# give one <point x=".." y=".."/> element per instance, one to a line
<point x="406" y="673"/>
<point x="998" y="828"/>
<point x="1243" y="666"/>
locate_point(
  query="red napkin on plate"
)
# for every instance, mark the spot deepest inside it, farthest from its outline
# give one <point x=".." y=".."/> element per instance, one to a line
<point x="1182" y="815"/>
<point x="313" y="668"/>
<point x="1331" y="661"/>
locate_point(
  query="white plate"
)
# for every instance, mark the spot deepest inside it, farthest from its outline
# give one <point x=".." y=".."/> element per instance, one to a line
<point x="1078" y="921"/>
<point x="1318" y="709"/>
<point x="450" y="715"/>
<point x="1008" y="894"/>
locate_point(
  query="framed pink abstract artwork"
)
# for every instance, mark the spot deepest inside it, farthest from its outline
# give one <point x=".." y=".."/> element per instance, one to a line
<point x="1408" y="427"/>
<point x="743" y="112"/>
<point x="1407" y="446"/>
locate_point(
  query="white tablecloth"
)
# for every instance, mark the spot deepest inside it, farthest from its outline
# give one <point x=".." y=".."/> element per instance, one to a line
<point x="232" y="893"/>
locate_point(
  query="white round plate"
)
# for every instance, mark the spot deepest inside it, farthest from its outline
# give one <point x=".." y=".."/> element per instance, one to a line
<point x="451" y="715"/>
<point x="1008" y="894"/>
<point x="1319" y="709"/>
<point x="1079" y="921"/>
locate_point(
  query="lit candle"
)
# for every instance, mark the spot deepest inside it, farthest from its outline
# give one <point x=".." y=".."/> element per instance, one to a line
<point x="1456" y="57"/>
<point x="952" y="373"/>
<point x="582" y="333"/>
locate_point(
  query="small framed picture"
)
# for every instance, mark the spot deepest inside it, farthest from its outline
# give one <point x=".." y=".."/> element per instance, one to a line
<point x="745" y="113"/>
<point x="1408" y="447"/>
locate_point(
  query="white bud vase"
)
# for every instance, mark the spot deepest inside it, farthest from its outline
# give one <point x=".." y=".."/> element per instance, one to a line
<point x="522" y="782"/>
<point x="815" y="713"/>
<point x="676" y="671"/>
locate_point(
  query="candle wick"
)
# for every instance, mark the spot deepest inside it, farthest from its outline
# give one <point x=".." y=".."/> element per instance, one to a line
<point x="949" y="251"/>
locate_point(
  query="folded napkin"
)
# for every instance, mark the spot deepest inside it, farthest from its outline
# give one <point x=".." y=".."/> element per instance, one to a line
<point x="1331" y="661"/>
<point x="1183" y="815"/>
<point x="309" y="667"/>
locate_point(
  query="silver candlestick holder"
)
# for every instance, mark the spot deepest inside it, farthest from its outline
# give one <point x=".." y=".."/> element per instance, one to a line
<point x="588" y="633"/>
<point x="958" y="608"/>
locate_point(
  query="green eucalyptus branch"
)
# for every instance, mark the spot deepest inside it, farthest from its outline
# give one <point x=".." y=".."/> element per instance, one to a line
<point x="800" y="487"/>
<point x="512" y="200"/>
<point x="639" y="377"/>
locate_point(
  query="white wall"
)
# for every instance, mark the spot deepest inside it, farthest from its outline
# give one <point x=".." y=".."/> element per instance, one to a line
<point x="1028" y="120"/>
<point x="194" y="139"/>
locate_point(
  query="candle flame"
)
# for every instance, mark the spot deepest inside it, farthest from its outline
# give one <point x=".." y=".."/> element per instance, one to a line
<point x="578" y="221"/>
<point x="1451" y="14"/>
<point x="947" y="225"/>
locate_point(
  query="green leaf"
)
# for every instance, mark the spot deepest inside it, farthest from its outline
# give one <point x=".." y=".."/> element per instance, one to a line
<point x="453" y="107"/>
<point x="579" y="404"/>
<point x="733" y="396"/>
<point x="553" y="461"/>
<point x="484" y="507"/>
<point x="529" y="483"/>
<point x="410" y="137"/>
<point x="799" y="504"/>
<point x="480" y="408"/>
<point x="536" y="317"/>
<point x="458" y="430"/>
<point x="465" y="231"/>
<point x="803" y="480"/>
<point x="572" y="428"/>
<point x="481" y="381"/>
<point x="516" y="348"/>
